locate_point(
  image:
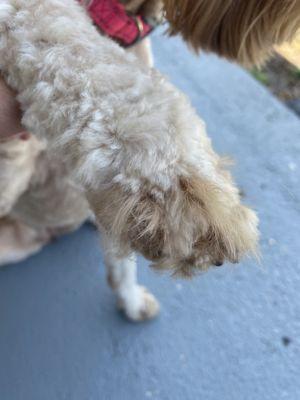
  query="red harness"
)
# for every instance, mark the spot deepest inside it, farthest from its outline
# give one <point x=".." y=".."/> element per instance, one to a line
<point x="112" y="19"/>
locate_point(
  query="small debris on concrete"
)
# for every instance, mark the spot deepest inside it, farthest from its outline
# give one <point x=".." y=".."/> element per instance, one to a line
<point x="286" y="341"/>
<point x="242" y="193"/>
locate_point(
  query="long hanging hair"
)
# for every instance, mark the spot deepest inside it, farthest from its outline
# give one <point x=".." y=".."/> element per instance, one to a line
<point x="242" y="30"/>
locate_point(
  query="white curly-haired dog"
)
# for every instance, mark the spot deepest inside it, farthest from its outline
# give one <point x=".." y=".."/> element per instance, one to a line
<point x="128" y="146"/>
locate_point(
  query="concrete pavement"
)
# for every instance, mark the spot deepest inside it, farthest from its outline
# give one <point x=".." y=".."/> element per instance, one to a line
<point x="230" y="334"/>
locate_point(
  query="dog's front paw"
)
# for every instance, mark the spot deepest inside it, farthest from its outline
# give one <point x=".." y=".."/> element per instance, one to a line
<point x="139" y="304"/>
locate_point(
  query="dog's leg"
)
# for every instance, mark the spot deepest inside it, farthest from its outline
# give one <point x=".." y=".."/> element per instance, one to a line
<point x="17" y="163"/>
<point x="135" y="300"/>
<point x="18" y="241"/>
<point x="143" y="52"/>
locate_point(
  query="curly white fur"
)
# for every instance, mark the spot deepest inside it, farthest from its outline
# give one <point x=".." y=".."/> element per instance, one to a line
<point x="81" y="90"/>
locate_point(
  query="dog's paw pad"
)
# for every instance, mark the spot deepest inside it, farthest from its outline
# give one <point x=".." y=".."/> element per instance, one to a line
<point x="141" y="306"/>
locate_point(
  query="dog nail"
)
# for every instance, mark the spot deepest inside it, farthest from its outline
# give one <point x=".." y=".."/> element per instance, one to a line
<point x="219" y="263"/>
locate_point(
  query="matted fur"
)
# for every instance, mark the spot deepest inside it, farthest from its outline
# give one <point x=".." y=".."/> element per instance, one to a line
<point x="127" y="137"/>
<point x="241" y="30"/>
<point x="190" y="227"/>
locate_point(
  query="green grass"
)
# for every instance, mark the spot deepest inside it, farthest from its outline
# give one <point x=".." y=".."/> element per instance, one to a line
<point x="297" y="73"/>
<point x="261" y="76"/>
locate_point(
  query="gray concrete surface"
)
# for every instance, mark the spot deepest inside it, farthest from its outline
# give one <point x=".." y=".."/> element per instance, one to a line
<point x="230" y="334"/>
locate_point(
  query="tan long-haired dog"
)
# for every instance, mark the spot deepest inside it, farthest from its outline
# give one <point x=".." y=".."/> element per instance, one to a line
<point x="241" y="30"/>
<point x="245" y="31"/>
